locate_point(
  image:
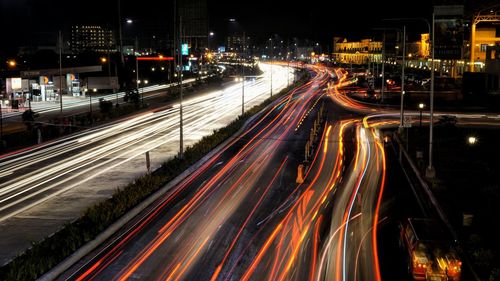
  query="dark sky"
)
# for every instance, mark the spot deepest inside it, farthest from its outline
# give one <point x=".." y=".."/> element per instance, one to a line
<point x="25" y="21"/>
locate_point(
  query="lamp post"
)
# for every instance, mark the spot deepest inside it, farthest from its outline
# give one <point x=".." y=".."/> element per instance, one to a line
<point x="91" y="113"/>
<point x="472" y="140"/>
<point x="403" y="79"/>
<point x="146" y="82"/>
<point x="210" y="36"/>
<point x="421" y="107"/>
<point x="60" y="76"/>
<point x="181" y="117"/>
<point x="271" y="56"/>
<point x="431" y="173"/>
<point x="1" y="126"/>
<point x="243" y="76"/>
<point x="383" y="70"/>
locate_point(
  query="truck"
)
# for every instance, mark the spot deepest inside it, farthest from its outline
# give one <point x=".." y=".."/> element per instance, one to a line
<point x="430" y="250"/>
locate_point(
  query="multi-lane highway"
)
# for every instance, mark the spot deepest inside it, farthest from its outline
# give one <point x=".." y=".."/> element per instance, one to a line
<point x="56" y="181"/>
<point x="243" y="217"/>
<point x="214" y="226"/>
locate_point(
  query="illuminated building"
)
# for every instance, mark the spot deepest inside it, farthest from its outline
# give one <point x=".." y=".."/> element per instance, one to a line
<point x="357" y="52"/>
<point x="91" y="38"/>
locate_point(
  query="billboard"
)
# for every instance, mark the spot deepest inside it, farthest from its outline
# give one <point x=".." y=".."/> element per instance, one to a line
<point x="184" y="49"/>
<point x="14" y="85"/>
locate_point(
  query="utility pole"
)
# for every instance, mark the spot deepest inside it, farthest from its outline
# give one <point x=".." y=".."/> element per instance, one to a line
<point x="288" y="64"/>
<point x="403" y="79"/>
<point x="383" y="69"/>
<point x="431" y="173"/>
<point x="181" y="148"/>
<point x="272" y="53"/>
<point x="120" y="34"/>
<point x="1" y="126"/>
<point x="60" y="76"/>
<point x="243" y="77"/>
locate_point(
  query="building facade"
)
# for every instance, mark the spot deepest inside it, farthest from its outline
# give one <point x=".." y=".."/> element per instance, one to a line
<point x="92" y="38"/>
<point x="357" y="52"/>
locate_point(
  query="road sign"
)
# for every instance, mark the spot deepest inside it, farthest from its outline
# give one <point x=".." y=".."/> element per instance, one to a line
<point x="407" y="121"/>
<point x="185" y="49"/>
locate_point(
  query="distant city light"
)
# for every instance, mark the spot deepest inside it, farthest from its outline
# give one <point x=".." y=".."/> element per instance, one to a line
<point x="129" y="21"/>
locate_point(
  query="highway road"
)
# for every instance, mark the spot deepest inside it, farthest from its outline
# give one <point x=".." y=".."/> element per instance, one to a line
<point x="243" y="217"/>
<point x="47" y="185"/>
<point x="211" y="226"/>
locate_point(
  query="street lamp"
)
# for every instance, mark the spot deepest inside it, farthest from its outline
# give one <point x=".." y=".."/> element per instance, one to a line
<point x="210" y="36"/>
<point x="145" y="82"/>
<point x="12" y="63"/>
<point x="430" y="173"/>
<point x="471" y="140"/>
<point x="421" y="107"/>
<point x="1" y="126"/>
<point x="272" y="53"/>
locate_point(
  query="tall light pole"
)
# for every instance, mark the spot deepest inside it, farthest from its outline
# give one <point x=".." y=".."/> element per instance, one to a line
<point x="403" y="79"/>
<point x="272" y="53"/>
<point x="1" y="126"/>
<point x="383" y="69"/>
<point x="431" y="173"/>
<point x="136" y="53"/>
<point x="120" y="33"/>
<point x="181" y="121"/>
<point x="60" y="76"/>
<point x="243" y="77"/>
<point x="288" y="64"/>
<point x="210" y="36"/>
<point x="421" y="107"/>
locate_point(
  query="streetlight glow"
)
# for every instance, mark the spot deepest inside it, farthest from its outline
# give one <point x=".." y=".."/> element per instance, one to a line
<point x="421" y="105"/>
<point x="472" y="140"/>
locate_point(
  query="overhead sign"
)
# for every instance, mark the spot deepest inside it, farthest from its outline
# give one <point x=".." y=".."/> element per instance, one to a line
<point x="184" y="49"/>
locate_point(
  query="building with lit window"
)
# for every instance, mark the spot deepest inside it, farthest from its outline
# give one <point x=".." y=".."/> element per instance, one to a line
<point x="92" y="38"/>
<point x="194" y="15"/>
<point x="357" y="52"/>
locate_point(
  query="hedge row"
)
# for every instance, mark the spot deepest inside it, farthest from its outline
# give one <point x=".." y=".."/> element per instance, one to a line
<point x="44" y="255"/>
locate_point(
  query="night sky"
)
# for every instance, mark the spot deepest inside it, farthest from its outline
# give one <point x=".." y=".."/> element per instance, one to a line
<point x="25" y="21"/>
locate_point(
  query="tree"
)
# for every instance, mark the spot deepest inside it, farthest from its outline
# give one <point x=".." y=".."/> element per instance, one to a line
<point x="133" y="97"/>
<point x="29" y="117"/>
